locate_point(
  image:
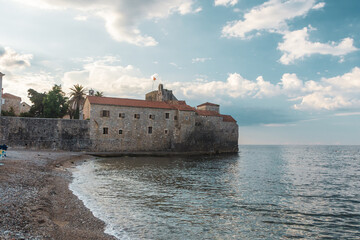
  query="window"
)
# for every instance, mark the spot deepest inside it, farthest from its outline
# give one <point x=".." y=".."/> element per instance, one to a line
<point x="137" y="116"/>
<point x="166" y="131"/>
<point x="105" y="113"/>
<point x="152" y="116"/>
<point x="167" y="115"/>
<point x="120" y="131"/>
<point x="105" y="130"/>
<point x="150" y="130"/>
<point x="175" y="118"/>
<point x="3" y="101"/>
<point x="121" y="115"/>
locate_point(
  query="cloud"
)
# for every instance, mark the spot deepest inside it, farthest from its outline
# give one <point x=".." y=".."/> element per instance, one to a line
<point x="235" y="86"/>
<point x="122" y="17"/>
<point x="296" y="45"/>
<point x="332" y="93"/>
<point x="106" y="75"/>
<point x="10" y="60"/>
<point x="346" y="114"/>
<point x="18" y="84"/>
<point x="270" y="16"/>
<point x="319" y="6"/>
<point x="196" y="60"/>
<point x="225" y="3"/>
<point x="18" y="79"/>
<point x="175" y="65"/>
<point x="81" y="18"/>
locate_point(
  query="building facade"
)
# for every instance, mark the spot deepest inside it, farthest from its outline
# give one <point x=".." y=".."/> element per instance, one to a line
<point x="159" y="123"/>
<point x="10" y="101"/>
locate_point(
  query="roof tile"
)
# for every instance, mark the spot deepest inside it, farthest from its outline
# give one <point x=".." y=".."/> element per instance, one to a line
<point x="181" y="105"/>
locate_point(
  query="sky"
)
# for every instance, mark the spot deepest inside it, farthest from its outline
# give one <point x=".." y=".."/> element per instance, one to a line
<point x="287" y="70"/>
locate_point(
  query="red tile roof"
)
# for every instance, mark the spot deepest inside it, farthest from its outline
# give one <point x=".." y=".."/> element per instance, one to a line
<point x="208" y="104"/>
<point x="180" y="105"/>
<point x="226" y="118"/>
<point x="8" y="95"/>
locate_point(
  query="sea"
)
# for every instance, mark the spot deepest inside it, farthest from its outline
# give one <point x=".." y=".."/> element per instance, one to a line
<point x="263" y="192"/>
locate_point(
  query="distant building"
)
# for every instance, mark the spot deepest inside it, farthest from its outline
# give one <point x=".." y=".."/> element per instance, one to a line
<point x="24" y="107"/>
<point x="159" y="123"/>
<point x="9" y="101"/>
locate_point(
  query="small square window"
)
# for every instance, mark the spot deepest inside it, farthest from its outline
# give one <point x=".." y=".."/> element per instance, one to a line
<point x="150" y="130"/>
<point x="167" y="115"/>
<point x="105" y="130"/>
<point x="175" y="118"/>
<point x="137" y="116"/>
<point x="121" y="115"/>
<point x="120" y="131"/>
<point x="166" y="131"/>
<point x="152" y="116"/>
<point x="105" y="113"/>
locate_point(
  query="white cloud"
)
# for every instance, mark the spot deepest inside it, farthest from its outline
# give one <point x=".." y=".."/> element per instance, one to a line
<point x="225" y="3"/>
<point x="270" y="16"/>
<point x="347" y="114"/>
<point x="296" y="45"/>
<point x="18" y="79"/>
<point x="196" y="60"/>
<point x="328" y="94"/>
<point x="122" y="17"/>
<point x="11" y="60"/>
<point x="81" y="18"/>
<point x="18" y="84"/>
<point x="175" y="65"/>
<point x="235" y="86"/>
<point x="319" y="6"/>
<point x="106" y="75"/>
<point x="332" y="93"/>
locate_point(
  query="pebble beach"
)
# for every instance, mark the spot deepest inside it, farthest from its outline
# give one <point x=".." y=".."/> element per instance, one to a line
<point x="35" y="201"/>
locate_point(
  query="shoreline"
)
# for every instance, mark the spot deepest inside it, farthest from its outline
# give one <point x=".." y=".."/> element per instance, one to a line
<point x="35" y="199"/>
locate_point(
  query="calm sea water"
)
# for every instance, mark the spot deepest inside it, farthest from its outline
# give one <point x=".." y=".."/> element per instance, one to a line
<point x="264" y="192"/>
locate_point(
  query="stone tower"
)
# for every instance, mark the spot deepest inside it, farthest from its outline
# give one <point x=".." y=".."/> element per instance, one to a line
<point x="161" y="95"/>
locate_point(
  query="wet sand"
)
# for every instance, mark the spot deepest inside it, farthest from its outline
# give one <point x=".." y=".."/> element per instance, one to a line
<point x="35" y="201"/>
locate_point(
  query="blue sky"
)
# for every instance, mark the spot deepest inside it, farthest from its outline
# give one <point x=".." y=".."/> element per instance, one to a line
<point x="287" y="70"/>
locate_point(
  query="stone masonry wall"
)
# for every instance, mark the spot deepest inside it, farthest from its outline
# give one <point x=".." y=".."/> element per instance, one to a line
<point x="42" y="133"/>
<point x="134" y="135"/>
<point x="211" y="134"/>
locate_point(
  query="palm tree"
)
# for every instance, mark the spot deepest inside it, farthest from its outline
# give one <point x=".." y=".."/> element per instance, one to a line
<point x="77" y="99"/>
<point x="99" y="94"/>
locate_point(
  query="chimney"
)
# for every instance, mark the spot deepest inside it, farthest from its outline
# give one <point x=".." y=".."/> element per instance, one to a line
<point x="1" y="75"/>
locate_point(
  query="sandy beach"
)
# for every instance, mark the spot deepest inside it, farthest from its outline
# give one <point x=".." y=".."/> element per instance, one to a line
<point x="35" y="201"/>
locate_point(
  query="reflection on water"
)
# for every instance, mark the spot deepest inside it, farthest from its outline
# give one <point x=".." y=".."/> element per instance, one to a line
<point x="265" y="192"/>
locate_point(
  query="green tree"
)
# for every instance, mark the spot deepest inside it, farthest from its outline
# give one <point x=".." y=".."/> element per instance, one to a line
<point x="99" y="94"/>
<point x="37" y="99"/>
<point x="55" y="103"/>
<point x="77" y="99"/>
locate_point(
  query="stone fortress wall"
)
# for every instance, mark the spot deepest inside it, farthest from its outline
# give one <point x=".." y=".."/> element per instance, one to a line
<point x="45" y="133"/>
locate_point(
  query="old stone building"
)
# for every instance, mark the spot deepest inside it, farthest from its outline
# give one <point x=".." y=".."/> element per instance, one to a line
<point x="159" y="123"/>
<point x="10" y="101"/>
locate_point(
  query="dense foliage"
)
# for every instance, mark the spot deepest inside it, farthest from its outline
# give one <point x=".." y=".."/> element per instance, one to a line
<point x="53" y="104"/>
